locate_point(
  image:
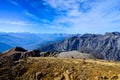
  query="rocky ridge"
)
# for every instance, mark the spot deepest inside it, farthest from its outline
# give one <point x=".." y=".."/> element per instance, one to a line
<point x="105" y="46"/>
<point x="18" y="53"/>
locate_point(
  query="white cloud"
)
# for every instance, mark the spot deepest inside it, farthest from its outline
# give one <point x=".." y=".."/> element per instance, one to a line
<point x="15" y="3"/>
<point x="31" y="15"/>
<point x="87" y="15"/>
<point x="21" y="23"/>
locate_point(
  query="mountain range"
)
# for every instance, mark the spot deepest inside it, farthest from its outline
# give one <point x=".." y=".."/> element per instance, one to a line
<point x="104" y="46"/>
<point x="101" y="46"/>
<point x="28" y="41"/>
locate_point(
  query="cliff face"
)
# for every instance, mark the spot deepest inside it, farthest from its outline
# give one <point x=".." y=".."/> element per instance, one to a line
<point x="105" y="46"/>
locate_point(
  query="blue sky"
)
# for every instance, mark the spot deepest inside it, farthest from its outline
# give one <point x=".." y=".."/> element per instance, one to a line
<point x="60" y="16"/>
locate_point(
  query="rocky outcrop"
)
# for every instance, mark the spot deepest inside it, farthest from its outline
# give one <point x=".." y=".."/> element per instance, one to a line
<point x="105" y="46"/>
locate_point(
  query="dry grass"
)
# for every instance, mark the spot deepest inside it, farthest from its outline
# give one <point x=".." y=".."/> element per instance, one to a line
<point x="69" y="69"/>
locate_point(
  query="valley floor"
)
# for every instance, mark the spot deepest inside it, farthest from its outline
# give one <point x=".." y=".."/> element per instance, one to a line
<point x="41" y="68"/>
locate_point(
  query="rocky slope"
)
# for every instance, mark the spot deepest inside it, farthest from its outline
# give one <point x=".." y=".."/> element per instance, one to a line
<point x="76" y="55"/>
<point x="105" y="46"/>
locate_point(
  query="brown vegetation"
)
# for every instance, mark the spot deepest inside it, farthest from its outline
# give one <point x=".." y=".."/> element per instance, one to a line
<point x="59" y="69"/>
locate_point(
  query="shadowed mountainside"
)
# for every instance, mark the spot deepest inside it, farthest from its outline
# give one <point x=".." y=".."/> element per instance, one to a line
<point x="4" y="47"/>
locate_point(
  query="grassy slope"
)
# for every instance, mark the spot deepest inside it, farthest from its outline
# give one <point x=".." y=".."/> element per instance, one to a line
<point x="65" y="69"/>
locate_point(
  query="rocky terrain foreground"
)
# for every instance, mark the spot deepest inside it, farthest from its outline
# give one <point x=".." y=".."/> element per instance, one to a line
<point x="49" y="68"/>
